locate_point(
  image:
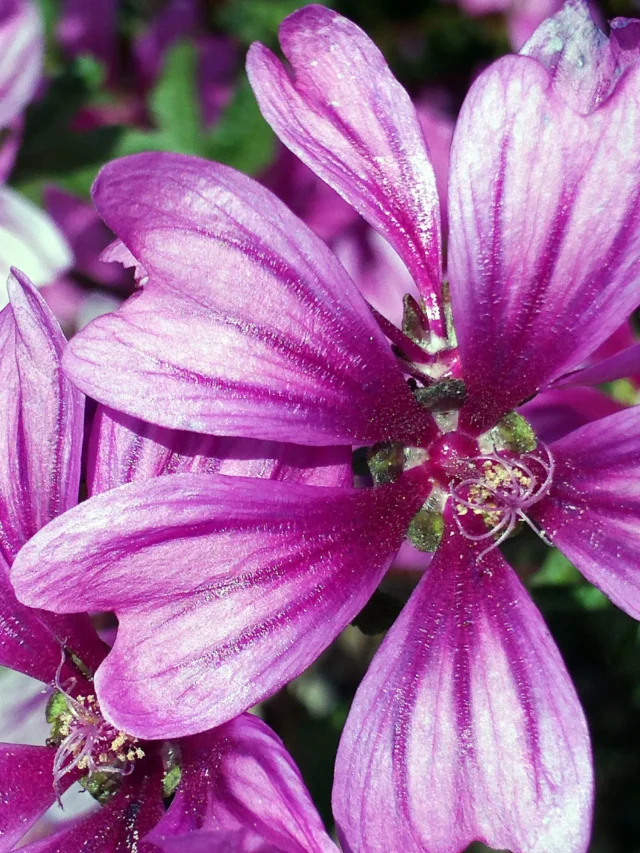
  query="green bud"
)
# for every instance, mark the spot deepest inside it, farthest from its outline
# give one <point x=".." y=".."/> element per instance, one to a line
<point x="515" y="433"/>
<point x="425" y="530"/>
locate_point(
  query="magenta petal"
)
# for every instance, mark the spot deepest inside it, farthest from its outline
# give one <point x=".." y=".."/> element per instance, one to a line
<point x="90" y="28"/>
<point x="619" y="366"/>
<point x="123" y="449"/>
<point x="346" y="116"/>
<point x="466" y="726"/>
<point x="531" y="297"/>
<point x="583" y="63"/>
<point x="27" y="789"/>
<point x="225" y="587"/>
<point x="255" y="786"/>
<point x="558" y="412"/>
<point x="592" y="511"/>
<point x="21" y="54"/>
<point x="42" y="417"/>
<point x="248" y="325"/>
<point x="116" y="827"/>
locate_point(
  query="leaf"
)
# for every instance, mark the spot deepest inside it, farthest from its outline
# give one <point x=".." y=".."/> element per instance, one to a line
<point x="174" y="102"/>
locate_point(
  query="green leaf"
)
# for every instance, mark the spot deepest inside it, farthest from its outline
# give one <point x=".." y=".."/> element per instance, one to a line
<point x="242" y="138"/>
<point x="556" y="571"/>
<point x="257" y="20"/>
<point x="175" y="104"/>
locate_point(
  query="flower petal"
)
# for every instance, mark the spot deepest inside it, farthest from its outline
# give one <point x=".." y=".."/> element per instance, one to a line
<point x="21" y="54"/>
<point x="90" y="28"/>
<point x="255" y="786"/>
<point x="225" y="587"/>
<point x="27" y="789"/>
<point x="583" y="63"/>
<point x="592" y="511"/>
<point x="347" y="117"/>
<point x="42" y="416"/>
<point x="116" y="827"/>
<point x="30" y="241"/>
<point x="466" y="726"/>
<point x="247" y="325"/>
<point x="123" y="449"/>
<point x="558" y="412"/>
<point x="619" y="366"/>
<point x="531" y="297"/>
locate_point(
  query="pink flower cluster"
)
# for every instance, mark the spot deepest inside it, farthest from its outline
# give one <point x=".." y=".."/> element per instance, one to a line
<point x="223" y="526"/>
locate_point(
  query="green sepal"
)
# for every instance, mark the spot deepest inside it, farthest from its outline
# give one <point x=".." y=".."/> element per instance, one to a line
<point x="170" y="781"/>
<point x="426" y="530"/>
<point x="56" y="707"/>
<point x="515" y="433"/>
<point x="102" y="786"/>
<point x="442" y="396"/>
<point x="386" y="462"/>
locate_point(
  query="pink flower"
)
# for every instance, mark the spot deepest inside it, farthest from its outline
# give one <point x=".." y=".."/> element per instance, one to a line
<point x="236" y="785"/>
<point x="467" y="725"/>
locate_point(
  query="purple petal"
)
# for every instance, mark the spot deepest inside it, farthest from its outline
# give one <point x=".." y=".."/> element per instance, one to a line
<point x="437" y="126"/>
<point x="225" y="587"/>
<point x="86" y="233"/>
<point x="256" y="786"/>
<point x="217" y="71"/>
<point x="592" y="512"/>
<point x="466" y="726"/>
<point x="531" y="297"/>
<point x="347" y="117"/>
<point x="32" y="641"/>
<point x="116" y="827"/>
<point x="90" y="28"/>
<point x="177" y="20"/>
<point x="21" y="54"/>
<point x="619" y="366"/>
<point x="27" y="789"/>
<point x="29" y="240"/>
<point x="124" y="449"/>
<point x="558" y="412"/>
<point x="42" y="416"/>
<point x="584" y="66"/>
<point x="247" y="325"/>
<point x="233" y="841"/>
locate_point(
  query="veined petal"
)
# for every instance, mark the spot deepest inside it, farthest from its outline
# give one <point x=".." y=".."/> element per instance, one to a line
<point x="347" y="117"/>
<point x="27" y="789"/>
<point x="225" y="587"/>
<point x="247" y="325"/>
<point x="42" y="416"/>
<point x="531" y="297"/>
<point x="583" y="63"/>
<point x="116" y="827"/>
<point x="21" y="53"/>
<point x="255" y="787"/>
<point x="618" y="366"/>
<point x="558" y="412"/>
<point x="30" y="241"/>
<point x="466" y="726"/>
<point x="123" y="449"/>
<point x="32" y="641"/>
<point x="593" y="510"/>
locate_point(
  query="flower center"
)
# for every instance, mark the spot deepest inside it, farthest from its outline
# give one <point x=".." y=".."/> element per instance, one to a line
<point x="86" y="742"/>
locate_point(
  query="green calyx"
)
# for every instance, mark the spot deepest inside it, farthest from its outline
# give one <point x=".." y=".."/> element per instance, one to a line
<point x="426" y="530"/>
<point x="516" y="434"/>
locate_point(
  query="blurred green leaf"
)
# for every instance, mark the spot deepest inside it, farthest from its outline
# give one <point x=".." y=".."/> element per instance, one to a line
<point x="258" y="20"/>
<point x="556" y="571"/>
<point x="242" y="138"/>
<point x="174" y="103"/>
